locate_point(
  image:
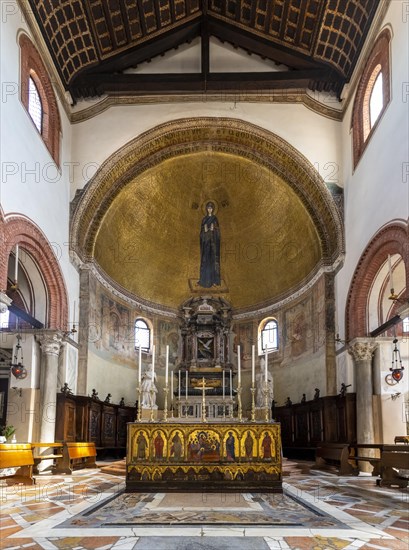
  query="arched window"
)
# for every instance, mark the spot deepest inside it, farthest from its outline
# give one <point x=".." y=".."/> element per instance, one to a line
<point x="35" y="107"/>
<point x="38" y="98"/>
<point x="405" y="324"/>
<point x="142" y="335"/>
<point x="268" y="335"/>
<point x="372" y="96"/>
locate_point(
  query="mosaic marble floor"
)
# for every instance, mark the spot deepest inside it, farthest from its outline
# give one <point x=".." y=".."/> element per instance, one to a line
<point x="89" y="510"/>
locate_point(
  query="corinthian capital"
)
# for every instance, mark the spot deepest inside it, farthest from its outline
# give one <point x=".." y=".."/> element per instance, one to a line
<point x="50" y="343"/>
<point x="5" y="301"/>
<point x="362" y="350"/>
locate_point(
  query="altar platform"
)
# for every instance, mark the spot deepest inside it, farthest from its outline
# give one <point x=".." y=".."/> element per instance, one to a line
<point x="205" y="456"/>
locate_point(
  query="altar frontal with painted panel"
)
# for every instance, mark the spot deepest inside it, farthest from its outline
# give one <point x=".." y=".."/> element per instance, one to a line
<point x="206" y="456"/>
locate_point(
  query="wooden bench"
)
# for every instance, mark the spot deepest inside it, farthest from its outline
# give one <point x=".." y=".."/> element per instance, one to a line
<point x="402" y="439"/>
<point x="357" y="454"/>
<point x="336" y="457"/>
<point x="17" y="455"/>
<point x="393" y="459"/>
<point x="56" y="453"/>
<point x="76" y="455"/>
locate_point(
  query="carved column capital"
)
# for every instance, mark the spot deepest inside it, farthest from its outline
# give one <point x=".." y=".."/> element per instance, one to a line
<point x="50" y="343"/>
<point x="5" y="302"/>
<point x="362" y="350"/>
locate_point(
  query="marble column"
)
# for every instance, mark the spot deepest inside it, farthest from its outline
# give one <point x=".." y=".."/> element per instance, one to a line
<point x="50" y="343"/>
<point x="362" y="352"/>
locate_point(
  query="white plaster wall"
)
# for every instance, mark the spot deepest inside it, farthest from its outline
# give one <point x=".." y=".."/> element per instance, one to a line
<point x="30" y="182"/>
<point x="106" y="377"/>
<point x="378" y="191"/>
<point x="316" y="137"/>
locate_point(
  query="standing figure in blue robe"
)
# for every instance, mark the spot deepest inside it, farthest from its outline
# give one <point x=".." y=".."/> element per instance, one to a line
<point x="209" y="249"/>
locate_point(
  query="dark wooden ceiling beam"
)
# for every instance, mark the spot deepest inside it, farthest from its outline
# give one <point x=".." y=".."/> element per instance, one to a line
<point x="139" y="84"/>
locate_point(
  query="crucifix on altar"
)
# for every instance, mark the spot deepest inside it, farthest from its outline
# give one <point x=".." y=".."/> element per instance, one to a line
<point x="204" y="388"/>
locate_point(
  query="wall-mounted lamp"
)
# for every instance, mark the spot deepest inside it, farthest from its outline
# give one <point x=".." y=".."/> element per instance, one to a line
<point x="17" y="368"/>
<point x="397" y="368"/>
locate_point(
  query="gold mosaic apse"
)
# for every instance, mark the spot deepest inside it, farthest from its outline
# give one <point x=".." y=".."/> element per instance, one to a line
<point x="148" y="240"/>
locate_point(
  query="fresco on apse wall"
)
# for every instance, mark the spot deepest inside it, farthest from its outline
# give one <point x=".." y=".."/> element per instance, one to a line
<point x="169" y="336"/>
<point x="320" y="323"/>
<point x="111" y="326"/>
<point x="298" y="332"/>
<point x="112" y="335"/>
<point x="244" y="337"/>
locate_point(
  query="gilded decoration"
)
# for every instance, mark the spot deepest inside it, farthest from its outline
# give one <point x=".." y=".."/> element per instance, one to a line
<point x="253" y="175"/>
<point x="238" y="454"/>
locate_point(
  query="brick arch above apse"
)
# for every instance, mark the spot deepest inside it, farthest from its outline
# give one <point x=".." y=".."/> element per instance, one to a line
<point x="391" y="239"/>
<point x="17" y="229"/>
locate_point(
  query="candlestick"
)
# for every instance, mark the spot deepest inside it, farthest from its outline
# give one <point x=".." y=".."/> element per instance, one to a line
<point x="167" y="366"/>
<point x="153" y="364"/>
<point x="253" y="364"/>
<point x="266" y="366"/>
<point x="390" y="274"/>
<point x="140" y="366"/>
<point x="238" y="366"/>
<point x="16" y="265"/>
<point x="231" y="384"/>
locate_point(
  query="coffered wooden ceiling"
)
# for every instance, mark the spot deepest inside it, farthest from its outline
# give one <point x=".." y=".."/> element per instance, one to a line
<point x="93" y="42"/>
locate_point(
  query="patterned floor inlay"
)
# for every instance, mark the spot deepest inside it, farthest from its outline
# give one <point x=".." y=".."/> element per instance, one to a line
<point x="204" y="509"/>
<point x="89" y="510"/>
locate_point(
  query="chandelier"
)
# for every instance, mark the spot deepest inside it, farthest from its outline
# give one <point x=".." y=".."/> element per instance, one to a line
<point x="397" y="368"/>
<point x="17" y="368"/>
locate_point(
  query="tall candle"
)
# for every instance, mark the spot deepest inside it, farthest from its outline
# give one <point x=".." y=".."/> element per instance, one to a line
<point x="253" y="364"/>
<point x="16" y="264"/>
<point x="266" y="365"/>
<point x="167" y="366"/>
<point x="238" y="366"/>
<point x="179" y="385"/>
<point x="140" y="365"/>
<point x="153" y="363"/>
<point x="231" y="385"/>
<point x="73" y="321"/>
<point x="390" y="272"/>
<point x="187" y="382"/>
<point x="224" y="395"/>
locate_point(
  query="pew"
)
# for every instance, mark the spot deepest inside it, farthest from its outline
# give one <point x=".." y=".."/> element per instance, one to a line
<point x="76" y="455"/>
<point x="17" y="455"/>
<point x="357" y="454"/>
<point x="335" y="456"/>
<point x="56" y="453"/>
<point x="402" y="439"/>
<point x="394" y="458"/>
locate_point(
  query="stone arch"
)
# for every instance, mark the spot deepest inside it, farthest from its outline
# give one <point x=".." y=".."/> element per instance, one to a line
<point x="188" y="135"/>
<point x="32" y="65"/>
<point x="360" y="126"/>
<point x="17" y="229"/>
<point x="391" y="239"/>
